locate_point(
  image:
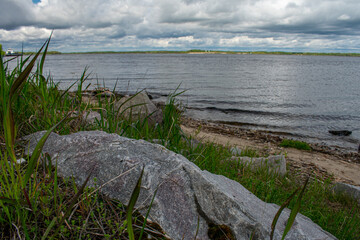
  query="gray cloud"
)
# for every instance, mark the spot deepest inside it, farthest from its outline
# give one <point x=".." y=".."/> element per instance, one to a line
<point x="83" y="25"/>
<point x="13" y="14"/>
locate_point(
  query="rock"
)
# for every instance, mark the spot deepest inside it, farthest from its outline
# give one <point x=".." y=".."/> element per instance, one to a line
<point x="235" y="151"/>
<point x="106" y="94"/>
<point x="91" y="117"/>
<point x="160" y="141"/>
<point x="100" y="90"/>
<point x="188" y="199"/>
<point x="275" y="164"/>
<point x="86" y="118"/>
<point x="19" y="161"/>
<point x="88" y="99"/>
<point x="347" y="189"/>
<point x="194" y="143"/>
<point x="138" y="107"/>
<point x="340" y="132"/>
<point x="160" y="105"/>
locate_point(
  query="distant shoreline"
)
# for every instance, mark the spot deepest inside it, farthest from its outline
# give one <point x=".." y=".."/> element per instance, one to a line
<point x="210" y="52"/>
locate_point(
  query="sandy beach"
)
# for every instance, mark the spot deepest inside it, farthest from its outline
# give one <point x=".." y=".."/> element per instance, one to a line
<point x="321" y="161"/>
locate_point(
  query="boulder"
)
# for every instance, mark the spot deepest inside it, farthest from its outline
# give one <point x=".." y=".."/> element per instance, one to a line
<point x="86" y="118"/>
<point x="188" y="199"/>
<point x="348" y="189"/>
<point x="275" y="164"/>
<point x="138" y="107"/>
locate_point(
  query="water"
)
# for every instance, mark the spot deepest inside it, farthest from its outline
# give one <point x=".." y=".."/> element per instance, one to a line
<point x="303" y="95"/>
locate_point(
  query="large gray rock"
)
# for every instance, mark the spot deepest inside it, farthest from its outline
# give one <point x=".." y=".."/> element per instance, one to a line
<point x="138" y="107"/>
<point x="186" y="197"/>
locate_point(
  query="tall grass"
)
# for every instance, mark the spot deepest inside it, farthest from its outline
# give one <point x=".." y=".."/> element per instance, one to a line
<point x="34" y="202"/>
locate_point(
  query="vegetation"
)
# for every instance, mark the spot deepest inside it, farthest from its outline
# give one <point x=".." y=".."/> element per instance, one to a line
<point x="295" y="144"/>
<point x="1" y="51"/>
<point x="47" y="53"/>
<point x="218" y="52"/>
<point x="37" y="204"/>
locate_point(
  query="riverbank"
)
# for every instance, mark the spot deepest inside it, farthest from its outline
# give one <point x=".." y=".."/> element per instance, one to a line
<point x="322" y="161"/>
<point x="195" y="51"/>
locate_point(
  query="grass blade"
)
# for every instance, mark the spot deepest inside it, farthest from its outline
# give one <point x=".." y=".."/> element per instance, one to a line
<point x="37" y="151"/>
<point x="20" y="80"/>
<point x="48" y="229"/>
<point x="42" y="61"/>
<point x="131" y="205"/>
<point x="147" y="214"/>
<point x="8" y="97"/>
<point x="294" y="211"/>
<point x="276" y="218"/>
<point x="71" y="205"/>
<point x="9" y="201"/>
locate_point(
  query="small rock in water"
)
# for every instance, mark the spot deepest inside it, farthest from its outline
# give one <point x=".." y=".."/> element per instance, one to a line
<point x="340" y="132"/>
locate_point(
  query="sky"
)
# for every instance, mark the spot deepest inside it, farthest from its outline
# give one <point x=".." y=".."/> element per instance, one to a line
<point x="128" y="25"/>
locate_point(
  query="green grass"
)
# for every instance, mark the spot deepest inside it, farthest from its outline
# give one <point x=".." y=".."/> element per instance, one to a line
<point x="45" y="205"/>
<point x="288" y="143"/>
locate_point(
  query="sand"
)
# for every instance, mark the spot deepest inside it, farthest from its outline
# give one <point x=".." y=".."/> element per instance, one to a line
<point x="321" y="161"/>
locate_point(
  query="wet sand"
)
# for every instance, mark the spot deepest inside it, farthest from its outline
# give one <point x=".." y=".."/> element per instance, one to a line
<point x="322" y="161"/>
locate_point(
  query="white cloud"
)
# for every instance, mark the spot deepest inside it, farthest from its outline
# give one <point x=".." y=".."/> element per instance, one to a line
<point x="343" y="17"/>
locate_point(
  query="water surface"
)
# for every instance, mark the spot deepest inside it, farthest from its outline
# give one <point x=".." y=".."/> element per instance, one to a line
<point x="303" y="95"/>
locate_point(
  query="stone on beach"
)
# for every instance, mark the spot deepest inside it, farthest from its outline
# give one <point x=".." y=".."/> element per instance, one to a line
<point x="139" y="107"/>
<point x="91" y="117"/>
<point x="187" y="197"/>
<point x="85" y="118"/>
<point x="348" y="190"/>
<point x="275" y="164"/>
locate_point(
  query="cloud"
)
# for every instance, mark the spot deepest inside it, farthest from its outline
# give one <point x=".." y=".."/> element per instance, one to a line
<point x="13" y="14"/>
<point x="82" y="25"/>
<point x="343" y="17"/>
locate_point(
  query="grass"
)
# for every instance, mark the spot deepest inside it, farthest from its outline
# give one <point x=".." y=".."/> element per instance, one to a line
<point x="36" y="203"/>
<point x="288" y="143"/>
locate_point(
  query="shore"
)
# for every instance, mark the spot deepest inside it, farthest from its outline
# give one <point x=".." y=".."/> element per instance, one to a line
<point x="322" y="161"/>
<point x="198" y="51"/>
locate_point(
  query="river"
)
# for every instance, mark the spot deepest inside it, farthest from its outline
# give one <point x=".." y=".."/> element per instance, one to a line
<point x="304" y="96"/>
